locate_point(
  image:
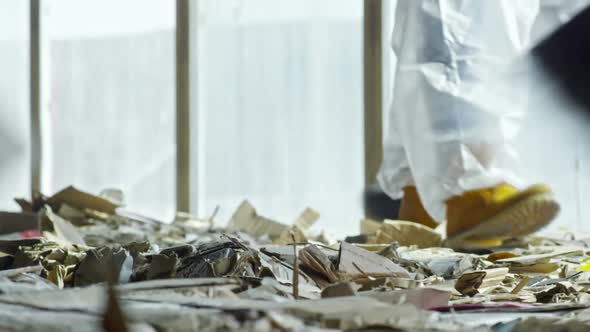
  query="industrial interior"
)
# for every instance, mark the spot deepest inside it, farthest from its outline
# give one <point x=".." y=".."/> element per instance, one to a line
<point x="294" y="165"/>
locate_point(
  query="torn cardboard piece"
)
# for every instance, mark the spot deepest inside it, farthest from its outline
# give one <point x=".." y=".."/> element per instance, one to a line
<point x="408" y="233"/>
<point x="82" y="200"/>
<point x="104" y="265"/>
<point x="299" y="228"/>
<point x="246" y="220"/>
<point x="369" y="226"/>
<point x="354" y="263"/>
<point x="470" y="283"/>
<point x="11" y="222"/>
<point x="313" y="259"/>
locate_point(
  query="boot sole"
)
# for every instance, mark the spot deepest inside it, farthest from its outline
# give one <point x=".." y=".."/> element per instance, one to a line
<point x="522" y="218"/>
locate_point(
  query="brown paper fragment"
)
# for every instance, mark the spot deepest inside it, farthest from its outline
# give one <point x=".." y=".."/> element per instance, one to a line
<point x="83" y="200"/>
<point x="25" y="205"/>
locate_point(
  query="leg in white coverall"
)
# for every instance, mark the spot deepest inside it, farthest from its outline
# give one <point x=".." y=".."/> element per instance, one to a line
<point x="447" y="137"/>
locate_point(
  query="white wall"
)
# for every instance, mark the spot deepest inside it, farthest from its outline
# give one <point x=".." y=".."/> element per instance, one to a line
<point x="14" y="102"/>
<point x="108" y="104"/>
<point x="280" y="109"/>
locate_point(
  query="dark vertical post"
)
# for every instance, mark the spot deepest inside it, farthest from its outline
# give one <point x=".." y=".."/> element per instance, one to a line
<point x="373" y="88"/>
<point x="183" y="105"/>
<point x="35" y="95"/>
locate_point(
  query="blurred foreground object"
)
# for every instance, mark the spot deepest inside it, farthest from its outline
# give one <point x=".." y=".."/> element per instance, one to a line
<point x="564" y="56"/>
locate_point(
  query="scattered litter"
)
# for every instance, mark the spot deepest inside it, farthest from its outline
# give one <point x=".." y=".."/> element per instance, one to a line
<point x="80" y="261"/>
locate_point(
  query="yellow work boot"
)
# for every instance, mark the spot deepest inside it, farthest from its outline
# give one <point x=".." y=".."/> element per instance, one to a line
<point x="499" y="213"/>
<point x="411" y="209"/>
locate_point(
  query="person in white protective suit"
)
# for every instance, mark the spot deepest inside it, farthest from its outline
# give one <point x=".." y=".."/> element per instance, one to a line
<point x="448" y="151"/>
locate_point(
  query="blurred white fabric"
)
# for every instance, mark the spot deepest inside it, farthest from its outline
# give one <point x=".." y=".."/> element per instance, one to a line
<point x="441" y="138"/>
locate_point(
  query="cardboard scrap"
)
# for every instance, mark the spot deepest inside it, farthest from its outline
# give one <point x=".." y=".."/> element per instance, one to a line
<point x="307" y="219"/>
<point x="369" y="226"/>
<point x="313" y="259"/>
<point x="82" y="200"/>
<point x="25" y="205"/>
<point x="408" y="233"/>
<point x="292" y="234"/>
<point x="246" y="220"/>
<point x="11" y="222"/>
<point x="104" y="265"/>
<point x="299" y="228"/>
<point x="355" y="263"/>
<point x="470" y="283"/>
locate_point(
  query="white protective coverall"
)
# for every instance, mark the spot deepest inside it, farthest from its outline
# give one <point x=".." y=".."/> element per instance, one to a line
<point x="445" y="136"/>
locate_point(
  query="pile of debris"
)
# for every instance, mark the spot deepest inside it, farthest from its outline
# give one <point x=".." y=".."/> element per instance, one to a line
<point x="77" y="261"/>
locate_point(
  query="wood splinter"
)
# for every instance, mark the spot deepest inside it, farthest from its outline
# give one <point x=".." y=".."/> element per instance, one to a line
<point x="295" y="268"/>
